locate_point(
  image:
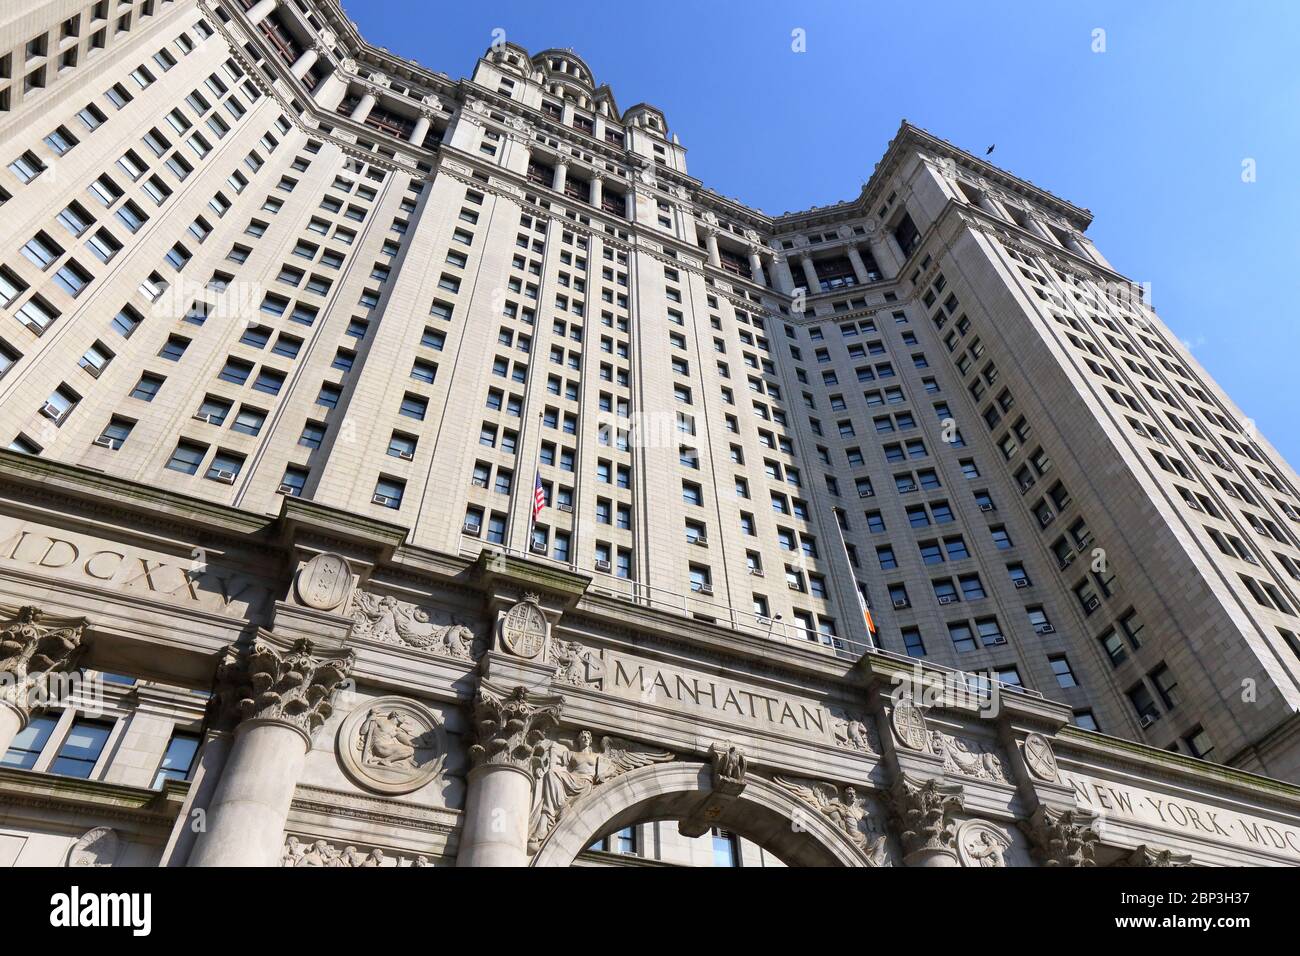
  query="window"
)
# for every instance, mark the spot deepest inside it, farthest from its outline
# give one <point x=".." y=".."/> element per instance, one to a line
<point x="726" y="848"/>
<point x="388" y="492"/>
<point x="81" y="749"/>
<point x="178" y="760"/>
<point x="148" y="387"/>
<point x="1064" y="675"/>
<point x="29" y="742"/>
<point x="225" y="467"/>
<point x="187" y="457"/>
<point x="115" y="433"/>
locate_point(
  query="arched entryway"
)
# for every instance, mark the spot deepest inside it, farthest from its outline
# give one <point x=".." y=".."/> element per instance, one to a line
<point x="763" y="813"/>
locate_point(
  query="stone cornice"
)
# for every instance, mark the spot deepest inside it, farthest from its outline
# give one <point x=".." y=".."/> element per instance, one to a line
<point x="146" y="503"/>
<point x="1107" y="749"/>
<point x="94" y="798"/>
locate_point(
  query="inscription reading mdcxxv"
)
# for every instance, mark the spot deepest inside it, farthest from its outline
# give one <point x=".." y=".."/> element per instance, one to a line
<point x="653" y="685"/>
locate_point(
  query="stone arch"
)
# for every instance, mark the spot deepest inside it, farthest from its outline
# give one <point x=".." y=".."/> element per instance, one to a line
<point x="671" y="791"/>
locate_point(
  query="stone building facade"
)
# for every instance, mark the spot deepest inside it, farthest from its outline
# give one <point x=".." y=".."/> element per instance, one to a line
<point x="295" y="334"/>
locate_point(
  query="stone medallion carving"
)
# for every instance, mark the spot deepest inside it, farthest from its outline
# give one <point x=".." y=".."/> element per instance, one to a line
<point x="1039" y="758"/>
<point x="909" y="724"/>
<point x="982" y="844"/>
<point x="323" y="582"/>
<point x="392" y="745"/>
<point x="524" y="628"/>
<point x="97" y="847"/>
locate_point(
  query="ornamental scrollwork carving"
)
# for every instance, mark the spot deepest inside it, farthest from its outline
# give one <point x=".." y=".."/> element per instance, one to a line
<point x="1145" y="855"/>
<point x="293" y="686"/>
<point x="384" y="618"/>
<point x="567" y="769"/>
<point x="846" y="811"/>
<point x="967" y="758"/>
<point x="32" y="648"/>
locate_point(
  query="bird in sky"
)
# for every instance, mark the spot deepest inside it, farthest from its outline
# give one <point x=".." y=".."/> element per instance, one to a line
<point x="990" y="149"/>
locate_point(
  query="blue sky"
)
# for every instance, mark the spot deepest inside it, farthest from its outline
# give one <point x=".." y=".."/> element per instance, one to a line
<point x="1150" y="135"/>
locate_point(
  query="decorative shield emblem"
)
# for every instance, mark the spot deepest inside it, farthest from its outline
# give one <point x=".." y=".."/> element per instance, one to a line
<point x="524" y="628"/>
<point x="392" y="745"/>
<point x="1039" y="758"/>
<point x="909" y="724"/>
<point x="323" y="582"/>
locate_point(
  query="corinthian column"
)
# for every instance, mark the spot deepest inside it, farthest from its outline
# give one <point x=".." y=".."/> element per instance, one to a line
<point x="32" y="650"/>
<point x="363" y="107"/>
<point x="810" y="275"/>
<point x="923" y="811"/>
<point x="1063" y="837"/>
<point x="280" y="697"/>
<point x="260" y="11"/>
<point x="302" y="66"/>
<point x="508" y="726"/>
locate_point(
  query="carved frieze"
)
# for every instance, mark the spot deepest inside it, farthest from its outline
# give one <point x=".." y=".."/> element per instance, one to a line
<point x="967" y="758"/>
<point x="392" y="745"/>
<point x="854" y="732"/>
<point x="1145" y="855"/>
<point x="846" y="810"/>
<point x="385" y="618"/>
<point x="321" y="853"/>
<point x="576" y="665"/>
<point x="567" y="769"/>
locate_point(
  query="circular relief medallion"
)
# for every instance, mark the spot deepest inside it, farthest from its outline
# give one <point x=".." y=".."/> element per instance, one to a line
<point x="392" y="745"/>
<point x="523" y="629"/>
<point x="982" y="844"/>
<point x="1039" y="758"/>
<point x="909" y="724"/>
<point x="97" y="847"/>
<point x="323" y="582"/>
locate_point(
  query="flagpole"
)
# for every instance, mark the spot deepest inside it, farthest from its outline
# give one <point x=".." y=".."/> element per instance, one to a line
<point x="867" y="620"/>
<point x="537" y="481"/>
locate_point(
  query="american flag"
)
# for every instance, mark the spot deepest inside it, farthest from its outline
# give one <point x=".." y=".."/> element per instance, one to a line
<point x="539" y="495"/>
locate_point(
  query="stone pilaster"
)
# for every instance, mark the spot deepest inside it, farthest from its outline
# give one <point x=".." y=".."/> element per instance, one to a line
<point x="278" y="696"/>
<point x="508" y="726"/>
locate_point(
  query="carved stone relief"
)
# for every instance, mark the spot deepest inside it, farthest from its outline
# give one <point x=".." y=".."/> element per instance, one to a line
<point x="846" y="810"/>
<point x="97" y="847"/>
<point x="729" y="767"/>
<point x="321" y="853"/>
<point x="323" y="582"/>
<point x="854" y="732"/>
<point x="294" y="686"/>
<point x="524" y="628"/>
<point x="384" y="618"/>
<point x="1039" y="758"/>
<point x="982" y="844"/>
<point x="392" y="745"/>
<point x="576" y="665"/>
<point x="909" y="725"/>
<point x="967" y="758"/>
<point x="567" y="769"/>
<point x="1063" y="837"/>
